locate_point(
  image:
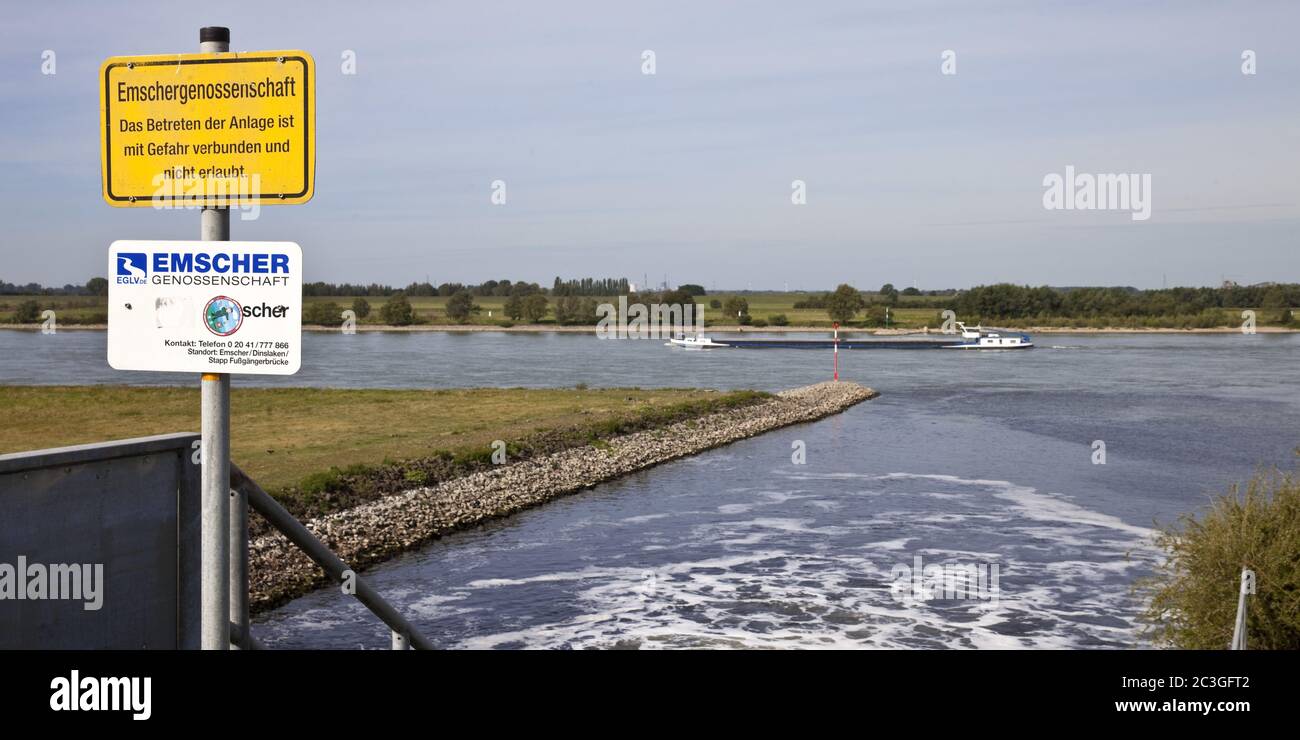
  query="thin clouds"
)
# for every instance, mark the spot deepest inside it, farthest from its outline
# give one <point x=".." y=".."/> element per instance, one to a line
<point x="698" y="158"/>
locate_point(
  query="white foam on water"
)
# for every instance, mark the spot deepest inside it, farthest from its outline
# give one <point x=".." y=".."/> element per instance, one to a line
<point x="644" y="518"/>
<point x="810" y="568"/>
<point x="823" y="593"/>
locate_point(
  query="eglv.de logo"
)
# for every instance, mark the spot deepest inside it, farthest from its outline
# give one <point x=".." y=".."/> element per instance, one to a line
<point x="223" y="316"/>
<point x="131" y="268"/>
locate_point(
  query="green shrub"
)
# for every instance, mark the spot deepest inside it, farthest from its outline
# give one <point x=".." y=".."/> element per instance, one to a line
<point x="361" y="307"/>
<point x="325" y="480"/>
<point x="481" y="456"/>
<point x="325" y="313"/>
<point x="534" y="307"/>
<point x="1194" y="593"/>
<point x="760" y="323"/>
<point x="397" y="311"/>
<point x="778" y="319"/>
<point x="460" y="306"/>
<point x="29" y="312"/>
<point x="736" y="306"/>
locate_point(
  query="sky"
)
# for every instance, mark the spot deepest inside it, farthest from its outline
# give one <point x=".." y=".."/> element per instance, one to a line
<point x="912" y="176"/>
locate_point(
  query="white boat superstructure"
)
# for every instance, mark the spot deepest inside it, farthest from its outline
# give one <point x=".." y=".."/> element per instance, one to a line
<point x="699" y="341"/>
<point x="981" y="338"/>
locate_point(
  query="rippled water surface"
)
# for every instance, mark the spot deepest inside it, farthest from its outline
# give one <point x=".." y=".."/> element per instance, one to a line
<point x="967" y="457"/>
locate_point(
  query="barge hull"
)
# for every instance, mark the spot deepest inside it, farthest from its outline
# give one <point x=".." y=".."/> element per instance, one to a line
<point x="843" y="344"/>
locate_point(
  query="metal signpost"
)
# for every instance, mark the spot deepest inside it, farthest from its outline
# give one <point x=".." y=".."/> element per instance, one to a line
<point x="836" y="347"/>
<point x="209" y="130"/>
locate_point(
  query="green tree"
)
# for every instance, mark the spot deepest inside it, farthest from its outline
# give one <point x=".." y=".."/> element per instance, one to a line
<point x="535" y="307"/>
<point x="678" y="296"/>
<point x="361" y="307"/>
<point x="692" y="288"/>
<point x="575" y="311"/>
<point x="397" y="311"/>
<point x="844" y="303"/>
<point x="889" y="294"/>
<point x="568" y="310"/>
<point x="460" y="306"/>
<point x="514" y="308"/>
<point x="874" y="315"/>
<point x="1276" y="299"/>
<point x="736" y="307"/>
<point x="97" y="286"/>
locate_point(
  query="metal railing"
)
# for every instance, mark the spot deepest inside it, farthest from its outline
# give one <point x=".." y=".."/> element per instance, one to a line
<point x="246" y="492"/>
<point x="1239" y="629"/>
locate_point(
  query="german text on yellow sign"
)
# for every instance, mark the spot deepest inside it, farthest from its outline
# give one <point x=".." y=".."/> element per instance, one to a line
<point x="208" y="129"/>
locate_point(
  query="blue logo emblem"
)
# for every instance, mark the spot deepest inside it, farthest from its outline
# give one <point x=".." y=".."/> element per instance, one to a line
<point x="132" y="267"/>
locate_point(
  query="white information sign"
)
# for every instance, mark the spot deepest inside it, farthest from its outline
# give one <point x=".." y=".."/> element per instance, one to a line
<point x="205" y="307"/>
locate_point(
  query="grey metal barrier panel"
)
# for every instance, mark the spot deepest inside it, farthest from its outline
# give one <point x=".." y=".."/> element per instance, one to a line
<point x="112" y="530"/>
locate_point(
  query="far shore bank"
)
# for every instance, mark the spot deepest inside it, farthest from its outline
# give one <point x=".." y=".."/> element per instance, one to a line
<point x="381" y="529"/>
<point x="733" y="329"/>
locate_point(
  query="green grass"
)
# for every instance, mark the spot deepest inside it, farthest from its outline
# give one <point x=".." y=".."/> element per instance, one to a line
<point x="282" y="435"/>
<point x="320" y="450"/>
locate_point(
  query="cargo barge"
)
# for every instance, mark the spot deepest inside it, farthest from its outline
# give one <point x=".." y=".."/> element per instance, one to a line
<point x="969" y="338"/>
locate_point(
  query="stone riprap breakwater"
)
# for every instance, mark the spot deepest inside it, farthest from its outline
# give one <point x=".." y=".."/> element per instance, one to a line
<point x="378" y="530"/>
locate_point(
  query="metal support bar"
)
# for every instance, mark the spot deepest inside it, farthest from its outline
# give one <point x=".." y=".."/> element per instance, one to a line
<point x="399" y="641"/>
<point x="219" y="609"/>
<point x="215" y="528"/>
<point x="290" y="527"/>
<point x="238" y="558"/>
<point x="1239" y="629"/>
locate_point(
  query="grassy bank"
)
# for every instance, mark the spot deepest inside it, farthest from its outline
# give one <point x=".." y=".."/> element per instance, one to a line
<point x="323" y="449"/>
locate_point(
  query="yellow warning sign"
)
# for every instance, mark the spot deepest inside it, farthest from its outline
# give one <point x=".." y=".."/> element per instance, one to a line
<point x="208" y="129"/>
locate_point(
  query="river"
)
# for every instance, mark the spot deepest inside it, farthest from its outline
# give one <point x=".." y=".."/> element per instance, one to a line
<point x="967" y="457"/>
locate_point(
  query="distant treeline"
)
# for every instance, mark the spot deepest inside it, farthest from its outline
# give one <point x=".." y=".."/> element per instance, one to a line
<point x="571" y="301"/>
<point x="375" y="290"/>
<point x="498" y="288"/>
<point x="1007" y="301"/>
<point x="94" y="286"/>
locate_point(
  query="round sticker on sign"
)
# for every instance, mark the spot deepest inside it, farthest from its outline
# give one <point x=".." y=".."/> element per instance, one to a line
<point x="223" y="316"/>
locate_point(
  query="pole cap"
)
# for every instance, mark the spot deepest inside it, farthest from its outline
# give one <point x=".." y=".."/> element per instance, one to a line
<point x="214" y="33"/>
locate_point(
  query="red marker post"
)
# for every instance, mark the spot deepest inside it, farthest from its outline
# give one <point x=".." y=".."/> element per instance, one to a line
<point x="837" y="350"/>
